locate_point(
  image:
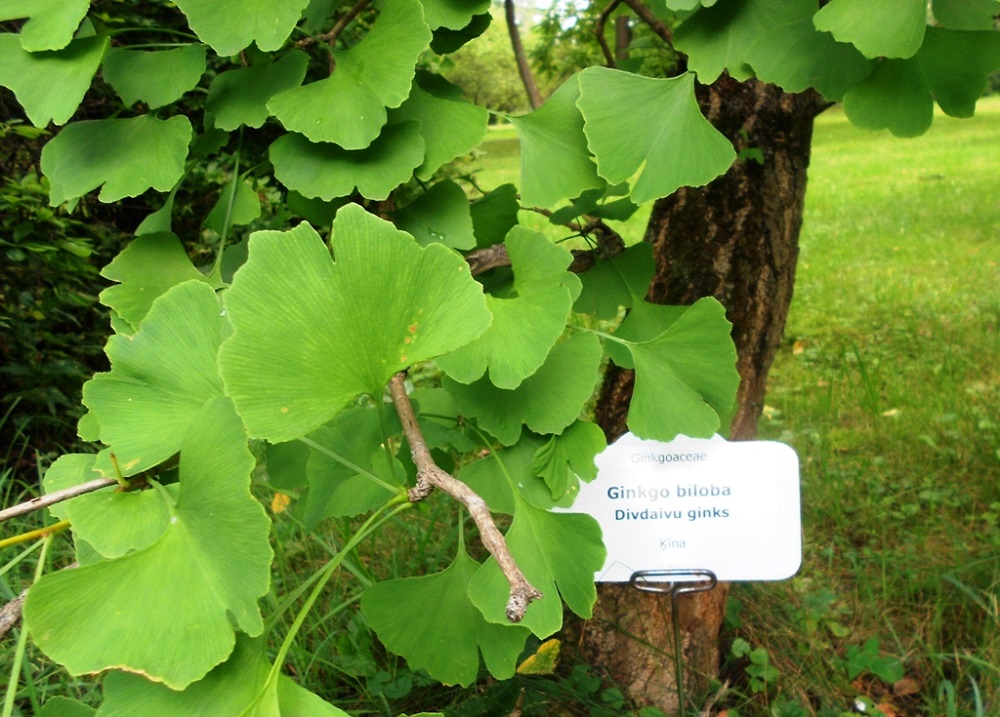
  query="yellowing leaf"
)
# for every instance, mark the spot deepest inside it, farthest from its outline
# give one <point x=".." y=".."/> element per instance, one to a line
<point x="543" y="662"/>
<point x="279" y="502"/>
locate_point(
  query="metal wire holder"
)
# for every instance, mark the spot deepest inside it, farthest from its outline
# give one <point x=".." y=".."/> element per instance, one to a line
<point x="658" y="581"/>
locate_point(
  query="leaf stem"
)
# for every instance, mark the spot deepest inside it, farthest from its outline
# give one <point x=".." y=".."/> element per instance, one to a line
<point x="32" y="534"/>
<point x="22" y="640"/>
<point x="430" y="476"/>
<point x="348" y="464"/>
<point x="217" y="267"/>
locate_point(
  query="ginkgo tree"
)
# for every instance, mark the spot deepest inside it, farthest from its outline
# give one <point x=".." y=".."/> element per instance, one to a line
<point x="296" y="351"/>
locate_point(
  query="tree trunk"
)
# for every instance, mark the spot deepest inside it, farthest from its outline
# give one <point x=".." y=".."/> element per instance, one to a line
<point x="735" y="239"/>
<point x="523" y="68"/>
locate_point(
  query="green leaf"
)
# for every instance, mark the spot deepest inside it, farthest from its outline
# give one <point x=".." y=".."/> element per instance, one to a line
<point x="449" y="124"/>
<point x="447" y="41"/>
<point x="145" y="270"/>
<point x="494" y="215"/>
<point x="325" y="171"/>
<point x="113" y="522"/>
<point x="686" y="378"/>
<point x="430" y="621"/>
<point x="286" y="465"/>
<point x="240" y="96"/>
<point x="160" y="221"/>
<point x="161" y="378"/>
<point x="453" y="14"/>
<point x="127" y="156"/>
<point x="349" y="107"/>
<point x="440" y="215"/>
<point x="526" y="326"/>
<point x="796" y="56"/>
<point x="244" y="685"/>
<point x="644" y="322"/>
<point x="567" y="458"/>
<point x="888" y="669"/>
<point x="552" y="136"/>
<point x="349" y="451"/>
<point x="156" y="78"/>
<point x="966" y="14"/>
<point x="547" y="401"/>
<point x="50" y="85"/>
<point x="65" y="707"/>
<point x="246" y="207"/>
<point x="51" y="23"/>
<point x="878" y="28"/>
<point x="616" y="283"/>
<point x="680" y="148"/>
<point x="716" y="38"/>
<point x="951" y="67"/>
<point x="558" y="554"/>
<point x="210" y="566"/>
<point x="310" y="335"/>
<point x="228" y="26"/>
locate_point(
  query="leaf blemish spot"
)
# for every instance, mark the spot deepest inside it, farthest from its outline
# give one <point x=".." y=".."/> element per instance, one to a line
<point x="284" y="409"/>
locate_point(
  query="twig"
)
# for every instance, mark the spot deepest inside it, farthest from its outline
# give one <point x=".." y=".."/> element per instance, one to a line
<point x="655" y="24"/>
<point x="430" y="476"/>
<point x="602" y="19"/>
<point x="331" y="37"/>
<point x="10" y="614"/>
<point x="44" y="501"/>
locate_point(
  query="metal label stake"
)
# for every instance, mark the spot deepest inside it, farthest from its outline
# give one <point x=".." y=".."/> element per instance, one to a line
<point x="675" y="583"/>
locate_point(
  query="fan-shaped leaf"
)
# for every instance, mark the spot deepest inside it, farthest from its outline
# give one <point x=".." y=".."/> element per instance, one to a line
<point x="127" y="156"/>
<point x="567" y="458"/>
<point x="310" y="335"/>
<point x="349" y="107"/>
<point x="430" y="621"/>
<point x="717" y="36"/>
<point x="51" y="23"/>
<point x="210" y="566"/>
<point x="526" y="326"/>
<point x="228" y="26"/>
<point x="440" y="215"/>
<point x="240" y="96"/>
<point x="156" y="78"/>
<point x="670" y="140"/>
<point x="50" y="85"/>
<point x="325" y="171"/>
<point x="878" y="28"/>
<point x="453" y="14"/>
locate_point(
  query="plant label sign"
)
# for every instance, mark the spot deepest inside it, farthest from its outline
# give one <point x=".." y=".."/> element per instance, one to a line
<point x="732" y="508"/>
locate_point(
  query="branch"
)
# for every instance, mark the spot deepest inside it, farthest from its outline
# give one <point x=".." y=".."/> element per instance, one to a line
<point x="430" y="476"/>
<point x="599" y="31"/>
<point x="331" y="36"/>
<point x="10" y="614"/>
<point x="655" y="24"/>
<point x="44" y="501"/>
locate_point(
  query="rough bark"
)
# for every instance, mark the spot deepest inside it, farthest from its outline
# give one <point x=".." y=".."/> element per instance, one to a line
<point x="735" y="239"/>
<point x="523" y="68"/>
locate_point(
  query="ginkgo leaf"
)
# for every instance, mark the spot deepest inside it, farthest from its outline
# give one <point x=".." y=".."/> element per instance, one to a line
<point x="966" y="14"/>
<point x="558" y="554"/>
<point x="494" y="215"/>
<point x="449" y="124"/>
<point x="951" y="67"/>
<point x="210" y="566"/>
<point x="160" y="221"/>
<point x="311" y="334"/>
<point x="679" y="147"/>
<point x="686" y="378"/>
<point x="31" y="76"/>
<point x="245" y="207"/>
<point x="145" y="405"/>
<point x="146" y="269"/>
<point x="127" y="156"/>
<point x="616" y="283"/>
<point x="447" y="41"/>
<point x="552" y="136"/>
<point x="228" y="26"/>
<point x="452" y="14"/>
<point x="543" y="661"/>
<point x="878" y="28"/>
<point x="349" y="107"/>
<point x="239" y="97"/>
<point x="795" y="56"/>
<point x="567" y="458"/>
<point x="716" y="37"/>
<point x="241" y="686"/>
<point x="527" y="325"/>
<point x="156" y="78"/>
<point x="326" y="171"/>
<point x="112" y="521"/>
<point x="440" y="215"/>
<point x="547" y="401"/>
<point x="51" y="23"/>
<point x="430" y="621"/>
<point x="348" y="471"/>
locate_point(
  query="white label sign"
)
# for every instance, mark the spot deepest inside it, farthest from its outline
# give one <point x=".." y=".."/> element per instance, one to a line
<point x="732" y="508"/>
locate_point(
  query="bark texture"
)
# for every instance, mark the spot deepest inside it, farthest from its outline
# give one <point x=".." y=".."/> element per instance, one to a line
<point x="735" y="239"/>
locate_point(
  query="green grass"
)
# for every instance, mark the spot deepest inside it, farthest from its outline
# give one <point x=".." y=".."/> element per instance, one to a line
<point x="888" y="387"/>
